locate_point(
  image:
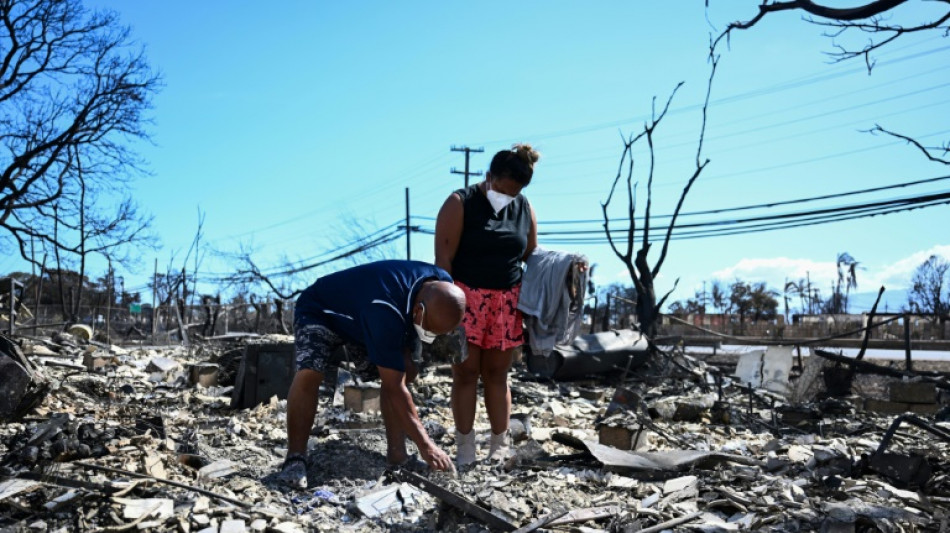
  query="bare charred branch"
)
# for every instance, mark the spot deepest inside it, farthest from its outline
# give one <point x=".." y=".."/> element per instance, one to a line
<point x="700" y="164"/>
<point x="870" y="18"/>
<point x="866" y="18"/>
<point x="877" y="28"/>
<point x="928" y="151"/>
<point x="641" y="273"/>
<point x="649" y="128"/>
<point x="659" y="304"/>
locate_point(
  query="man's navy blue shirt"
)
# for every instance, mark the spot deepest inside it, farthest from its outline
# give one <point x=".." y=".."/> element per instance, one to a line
<point x="369" y="304"/>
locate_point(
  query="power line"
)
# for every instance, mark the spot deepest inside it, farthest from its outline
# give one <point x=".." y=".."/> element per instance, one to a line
<point x="356" y="243"/>
<point x="744" y="207"/>
<point x="712" y="137"/>
<point x="760" y="223"/>
<point x="284" y="271"/>
<point x="772" y="89"/>
<point x="758" y="116"/>
<point x="420" y="168"/>
<point x="769" y="222"/>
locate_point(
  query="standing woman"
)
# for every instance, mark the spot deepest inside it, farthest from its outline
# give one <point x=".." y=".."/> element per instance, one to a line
<point x="482" y="235"/>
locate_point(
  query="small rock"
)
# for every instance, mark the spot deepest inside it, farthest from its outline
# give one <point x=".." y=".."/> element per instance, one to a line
<point x="233" y="526"/>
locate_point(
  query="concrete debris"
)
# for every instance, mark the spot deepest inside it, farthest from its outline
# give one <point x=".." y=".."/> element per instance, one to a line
<point x="189" y="439"/>
<point x="768" y="369"/>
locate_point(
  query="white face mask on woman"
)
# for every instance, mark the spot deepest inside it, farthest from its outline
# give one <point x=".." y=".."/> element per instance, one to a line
<point x="498" y="200"/>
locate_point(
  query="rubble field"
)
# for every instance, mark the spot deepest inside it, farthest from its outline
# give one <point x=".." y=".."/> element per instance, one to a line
<point x="146" y="438"/>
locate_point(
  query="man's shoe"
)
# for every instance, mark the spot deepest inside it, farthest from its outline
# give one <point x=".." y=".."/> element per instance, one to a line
<point x="465" y="445"/>
<point x="293" y="473"/>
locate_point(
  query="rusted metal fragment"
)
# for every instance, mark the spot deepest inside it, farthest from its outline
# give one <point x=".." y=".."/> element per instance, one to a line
<point x="903" y="469"/>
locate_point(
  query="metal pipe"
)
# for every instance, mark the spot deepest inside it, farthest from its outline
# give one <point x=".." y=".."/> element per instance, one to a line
<point x="915" y="421"/>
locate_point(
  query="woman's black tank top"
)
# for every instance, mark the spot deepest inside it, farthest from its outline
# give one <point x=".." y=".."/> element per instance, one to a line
<point x="492" y="245"/>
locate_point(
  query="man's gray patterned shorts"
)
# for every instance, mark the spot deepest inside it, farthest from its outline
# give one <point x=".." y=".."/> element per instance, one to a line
<point x="318" y="348"/>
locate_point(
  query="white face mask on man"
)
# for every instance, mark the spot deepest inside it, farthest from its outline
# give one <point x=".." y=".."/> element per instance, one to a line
<point x="498" y="200"/>
<point x="425" y="335"/>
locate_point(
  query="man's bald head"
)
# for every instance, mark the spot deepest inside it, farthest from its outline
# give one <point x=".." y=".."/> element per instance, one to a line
<point x="444" y="306"/>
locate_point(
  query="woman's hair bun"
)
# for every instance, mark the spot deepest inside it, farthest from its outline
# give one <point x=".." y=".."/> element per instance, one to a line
<point x="526" y="152"/>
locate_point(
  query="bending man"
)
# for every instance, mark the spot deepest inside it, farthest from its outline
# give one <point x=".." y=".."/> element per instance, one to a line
<point x="376" y="311"/>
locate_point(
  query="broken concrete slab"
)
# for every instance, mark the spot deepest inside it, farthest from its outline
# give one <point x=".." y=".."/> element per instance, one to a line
<point x="135" y="508"/>
<point x="12" y="487"/>
<point x="165" y="365"/>
<point x="361" y="398"/>
<point x="913" y="392"/>
<point x="233" y="526"/>
<point x="218" y="469"/>
<point x="204" y="374"/>
<point x="679" y="483"/>
<point x="98" y="360"/>
<point x="896" y="408"/>
<point x="769" y="369"/>
<point x="391" y="498"/>
<point x="615" y="460"/>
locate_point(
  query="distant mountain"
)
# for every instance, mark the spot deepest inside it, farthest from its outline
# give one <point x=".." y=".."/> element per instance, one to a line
<point x="893" y="301"/>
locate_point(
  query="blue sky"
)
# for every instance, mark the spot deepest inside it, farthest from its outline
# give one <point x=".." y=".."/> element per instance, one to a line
<point x="285" y="124"/>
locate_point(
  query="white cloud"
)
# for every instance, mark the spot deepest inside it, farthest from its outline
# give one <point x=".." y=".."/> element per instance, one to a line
<point x="774" y="271"/>
<point x="898" y="274"/>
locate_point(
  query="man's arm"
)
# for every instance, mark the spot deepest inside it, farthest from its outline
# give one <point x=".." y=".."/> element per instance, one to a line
<point x="395" y="392"/>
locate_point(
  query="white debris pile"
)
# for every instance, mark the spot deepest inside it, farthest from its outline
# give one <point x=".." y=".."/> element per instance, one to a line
<point x="146" y="438"/>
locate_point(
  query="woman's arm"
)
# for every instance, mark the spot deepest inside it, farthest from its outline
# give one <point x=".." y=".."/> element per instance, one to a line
<point x="448" y="231"/>
<point x="532" y="235"/>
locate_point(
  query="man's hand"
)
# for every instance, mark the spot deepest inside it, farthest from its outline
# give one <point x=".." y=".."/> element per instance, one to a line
<point x="402" y="420"/>
<point x="436" y="458"/>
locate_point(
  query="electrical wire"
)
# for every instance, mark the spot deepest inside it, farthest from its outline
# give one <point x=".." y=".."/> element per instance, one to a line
<point x="762" y="222"/>
<point x="740" y="97"/>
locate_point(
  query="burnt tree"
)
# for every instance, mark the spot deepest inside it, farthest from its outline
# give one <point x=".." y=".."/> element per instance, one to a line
<point x="73" y="91"/>
<point x="638" y="263"/>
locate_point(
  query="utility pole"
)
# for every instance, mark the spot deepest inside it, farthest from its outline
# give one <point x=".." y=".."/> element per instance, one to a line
<point x="808" y="292"/>
<point x="111" y="292"/>
<point x="408" y="229"/>
<point x="468" y="151"/>
<point x="704" y="297"/>
<point x="154" y="293"/>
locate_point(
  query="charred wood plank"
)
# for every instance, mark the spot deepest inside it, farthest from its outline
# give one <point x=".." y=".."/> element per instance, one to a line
<point x="871" y="368"/>
<point x="496" y="523"/>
